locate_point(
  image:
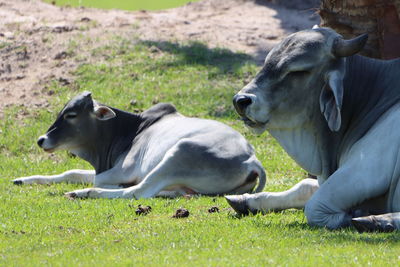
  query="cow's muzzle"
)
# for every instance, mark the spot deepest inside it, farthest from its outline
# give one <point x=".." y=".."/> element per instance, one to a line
<point x="241" y="102"/>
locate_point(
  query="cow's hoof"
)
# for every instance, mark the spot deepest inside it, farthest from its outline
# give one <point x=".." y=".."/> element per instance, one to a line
<point x="372" y="224"/>
<point x="238" y="203"/>
<point x="17" y="182"/>
<point x="363" y="224"/>
<point x="388" y="228"/>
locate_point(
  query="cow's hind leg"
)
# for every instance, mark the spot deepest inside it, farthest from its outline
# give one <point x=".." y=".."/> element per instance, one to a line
<point x="71" y="176"/>
<point x="264" y="202"/>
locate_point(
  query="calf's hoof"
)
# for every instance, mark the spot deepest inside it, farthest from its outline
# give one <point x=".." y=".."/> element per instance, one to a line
<point x="17" y="182"/>
<point x="71" y="195"/>
<point x="238" y="203"/>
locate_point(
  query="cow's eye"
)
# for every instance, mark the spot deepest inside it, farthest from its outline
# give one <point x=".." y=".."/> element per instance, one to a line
<point x="70" y="115"/>
<point x="299" y="72"/>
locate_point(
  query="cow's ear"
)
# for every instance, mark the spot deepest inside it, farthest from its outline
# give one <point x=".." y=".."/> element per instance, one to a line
<point x="331" y="99"/>
<point x="103" y="113"/>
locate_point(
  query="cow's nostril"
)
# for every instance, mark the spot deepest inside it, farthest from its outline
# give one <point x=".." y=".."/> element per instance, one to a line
<point x="244" y="101"/>
<point x="40" y="141"/>
<point x="241" y="102"/>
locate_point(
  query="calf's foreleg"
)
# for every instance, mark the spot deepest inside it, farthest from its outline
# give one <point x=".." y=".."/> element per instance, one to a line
<point x="71" y="176"/>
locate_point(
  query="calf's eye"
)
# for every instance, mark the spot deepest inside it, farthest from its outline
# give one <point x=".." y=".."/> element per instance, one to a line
<point x="70" y="115"/>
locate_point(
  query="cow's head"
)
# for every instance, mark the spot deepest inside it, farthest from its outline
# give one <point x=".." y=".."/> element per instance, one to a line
<point x="75" y="125"/>
<point x="304" y="72"/>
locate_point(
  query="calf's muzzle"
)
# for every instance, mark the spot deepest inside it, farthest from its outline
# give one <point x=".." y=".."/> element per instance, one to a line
<point x="41" y="140"/>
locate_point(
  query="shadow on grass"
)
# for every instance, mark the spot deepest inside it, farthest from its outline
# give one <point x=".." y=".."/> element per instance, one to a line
<point x="301" y="228"/>
<point x="196" y="53"/>
<point x="349" y="234"/>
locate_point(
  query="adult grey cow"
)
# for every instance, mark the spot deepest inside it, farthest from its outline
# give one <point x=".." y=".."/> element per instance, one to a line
<point x="336" y="114"/>
<point x="158" y="152"/>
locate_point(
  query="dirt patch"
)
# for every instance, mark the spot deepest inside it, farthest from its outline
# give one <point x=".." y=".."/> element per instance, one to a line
<point x="41" y="43"/>
<point x="181" y="213"/>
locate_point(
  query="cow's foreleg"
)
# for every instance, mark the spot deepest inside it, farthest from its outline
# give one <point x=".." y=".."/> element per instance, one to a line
<point x="331" y="206"/>
<point x="71" y="176"/>
<point x="264" y="202"/>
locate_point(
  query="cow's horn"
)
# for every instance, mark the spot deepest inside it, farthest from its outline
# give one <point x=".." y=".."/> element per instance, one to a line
<point x="345" y="48"/>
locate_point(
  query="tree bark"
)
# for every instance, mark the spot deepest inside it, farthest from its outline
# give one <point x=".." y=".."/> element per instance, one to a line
<point x="378" y="18"/>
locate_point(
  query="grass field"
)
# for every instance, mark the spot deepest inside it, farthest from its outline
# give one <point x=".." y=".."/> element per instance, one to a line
<point x="123" y="4"/>
<point x="38" y="226"/>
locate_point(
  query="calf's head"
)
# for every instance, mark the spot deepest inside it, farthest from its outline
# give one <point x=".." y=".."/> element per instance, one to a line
<point x="301" y="75"/>
<point x="76" y="124"/>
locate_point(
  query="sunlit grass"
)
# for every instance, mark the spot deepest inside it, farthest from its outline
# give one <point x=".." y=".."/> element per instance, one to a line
<point x="38" y="226"/>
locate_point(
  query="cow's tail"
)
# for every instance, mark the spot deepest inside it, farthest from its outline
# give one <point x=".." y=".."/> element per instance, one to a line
<point x="262" y="177"/>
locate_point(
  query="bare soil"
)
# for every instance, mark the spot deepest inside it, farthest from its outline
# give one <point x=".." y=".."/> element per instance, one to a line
<point x="41" y="43"/>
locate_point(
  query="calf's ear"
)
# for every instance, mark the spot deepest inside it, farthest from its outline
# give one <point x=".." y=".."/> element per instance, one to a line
<point x="331" y="99"/>
<point x="103" y="113"/>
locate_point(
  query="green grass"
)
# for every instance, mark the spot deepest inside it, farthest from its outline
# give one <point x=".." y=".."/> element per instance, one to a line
<point x="38" y="226"/>
<point x="123" y="4"/>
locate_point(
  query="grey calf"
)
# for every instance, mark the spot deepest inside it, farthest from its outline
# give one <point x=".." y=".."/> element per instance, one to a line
<point x="157" y="152"/>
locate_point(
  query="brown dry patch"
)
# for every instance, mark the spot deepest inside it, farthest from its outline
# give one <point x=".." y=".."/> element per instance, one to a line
<point x="41" y="43"/>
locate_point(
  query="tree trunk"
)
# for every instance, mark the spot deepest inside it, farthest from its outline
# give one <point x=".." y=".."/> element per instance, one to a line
<point x="378" y="18"/>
